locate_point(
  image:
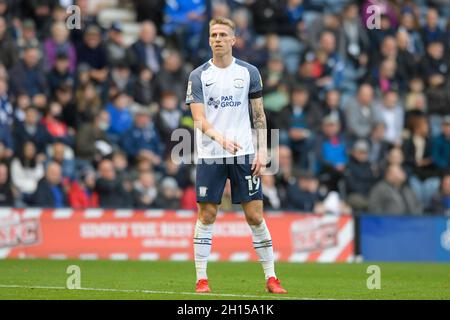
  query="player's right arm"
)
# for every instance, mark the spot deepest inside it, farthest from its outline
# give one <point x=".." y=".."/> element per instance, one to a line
<point x="194" y="98"/>
<point x="200" y="122"/>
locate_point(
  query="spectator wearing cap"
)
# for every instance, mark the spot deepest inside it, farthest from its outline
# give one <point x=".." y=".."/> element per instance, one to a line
<point x="8" y="53"/>
<point x="393" y="196"/>
<point x="92" y="52"/>
<point x="59" y="42"/>
<point x="145" y="52"/>
<point x="27" y="37"/>
<point x="361" y="113"/>
<point x="116" y="49"/>
<point x="440" y="202"/>
<point x="359" y="176"/>
<point x="50" y="192"/>
<point x="295" y="126"/>
<point x="29" y="76"/>
<point x="121" y="79"/>
<point x="441" y="146"/>
<point x="142" y="139"/>
<point x="169" y="194"/>
<point x="60" y="74"/>
<point x="303" y="195"/>
<point x="331" y="153"/>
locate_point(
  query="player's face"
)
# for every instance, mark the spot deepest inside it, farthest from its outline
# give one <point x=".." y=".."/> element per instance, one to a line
<point x="221" y="39"/>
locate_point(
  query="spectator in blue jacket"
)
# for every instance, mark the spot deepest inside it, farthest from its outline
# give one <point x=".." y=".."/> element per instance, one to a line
<point x="120" y="116"/>
<point x="331" y="153"/>
<point x="50" y="192"/>
<point x="441" y="146"/>
<point x="142" y="140"/>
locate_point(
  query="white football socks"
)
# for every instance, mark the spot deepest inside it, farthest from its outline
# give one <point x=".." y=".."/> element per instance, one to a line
<point x="262" y="242"/>
<point x="202" y="247"/>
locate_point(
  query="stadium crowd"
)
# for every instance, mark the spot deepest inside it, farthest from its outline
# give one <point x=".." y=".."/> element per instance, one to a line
<point x="363" y="114"/>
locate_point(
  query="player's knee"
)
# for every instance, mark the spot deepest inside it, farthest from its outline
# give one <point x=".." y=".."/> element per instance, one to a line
<point x="207" y="214"/>
<point x="254" y="220"/>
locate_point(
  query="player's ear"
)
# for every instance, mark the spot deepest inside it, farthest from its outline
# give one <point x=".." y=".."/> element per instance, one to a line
<point x="233" y="40"/>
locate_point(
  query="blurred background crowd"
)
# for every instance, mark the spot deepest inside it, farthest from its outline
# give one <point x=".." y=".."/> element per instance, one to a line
<point x="86" y="115"/>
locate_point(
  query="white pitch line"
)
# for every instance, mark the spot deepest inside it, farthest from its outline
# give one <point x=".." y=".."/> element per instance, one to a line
<point x="231" y="295"/>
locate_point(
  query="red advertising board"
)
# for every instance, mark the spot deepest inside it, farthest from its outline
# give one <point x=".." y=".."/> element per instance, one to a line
<point x="167" y="235"/>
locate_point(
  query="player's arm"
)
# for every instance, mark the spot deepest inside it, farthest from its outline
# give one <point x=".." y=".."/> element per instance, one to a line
<point x="260" y="125"/>
<point x="200" y="122"/>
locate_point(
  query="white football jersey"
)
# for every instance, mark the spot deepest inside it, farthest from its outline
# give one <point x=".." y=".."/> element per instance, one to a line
<point x="225" y="94"/>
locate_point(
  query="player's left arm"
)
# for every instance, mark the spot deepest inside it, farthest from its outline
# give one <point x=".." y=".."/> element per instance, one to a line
<point x="260" y="125"/>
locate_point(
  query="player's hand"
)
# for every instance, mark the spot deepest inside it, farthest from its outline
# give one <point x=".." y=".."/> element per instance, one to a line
<point x="259" y="163"/>
<point x="231" y="146"/>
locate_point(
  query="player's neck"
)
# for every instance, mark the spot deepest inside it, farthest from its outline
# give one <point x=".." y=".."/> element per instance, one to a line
<point x="222" y="61"/>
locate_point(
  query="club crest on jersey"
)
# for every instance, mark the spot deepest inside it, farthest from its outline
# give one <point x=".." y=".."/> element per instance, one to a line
<point x="239" y="83"/>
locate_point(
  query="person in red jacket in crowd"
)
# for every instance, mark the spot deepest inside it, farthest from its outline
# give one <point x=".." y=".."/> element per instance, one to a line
<point x="81" y="193"/>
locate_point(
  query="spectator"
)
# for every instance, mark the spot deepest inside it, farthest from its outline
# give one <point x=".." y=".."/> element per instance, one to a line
<point x="81" y="194"/>
<point x="116" y="49"/>
<point x="109" y="188"/>
<point x="168" y="118"/>
<point x="303" y="195"/>
<point x="31" y="130"/>
<point x="295" y="126"/>
<point x="88" y="103"/>
<point x="60" y="74"/>
<point x="441" y="146"/>
<point x="145" y="192"/>
<point x="8" y="54"/>
<point x="92" y="52"/>
<point x="6" y="109"/>
<point x="361" y="113"/>
<point x="120" y="116"/>
<point x="55" y="125"/>
<point x="145" y="52"/>
<point x="169" y="194"/>
<point x="330" y="106"/>
<point x="423" y="177"/>
<point x="173" y="75"/>
<point x="61" y="154"/>
<point x="50" y="192"/>
<point x="26" y="171"/>
<point x="360" y="176"/>
<point x="7" y="194"/>
<point x="142" y="140"/>
<point x="271" y="198"/>
<point x="331" y="153"/>
<point x="440" y="203"/>
<point x="121" y="79"/>
<point x="58" y="43"/>
<point x="431" y="31"/>
<point x="145" y="87"/>
<point x="91" y="141"/>
<point x="392" y="114"/>
<point x="378" y="147"/>
<point x="29" y="76"/>
<point x="392" y="196"/>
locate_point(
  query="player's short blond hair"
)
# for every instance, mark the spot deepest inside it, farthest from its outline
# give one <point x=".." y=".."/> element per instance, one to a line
<point x="224" y="21"/>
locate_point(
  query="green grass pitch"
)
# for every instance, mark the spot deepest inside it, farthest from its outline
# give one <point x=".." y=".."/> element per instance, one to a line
<point x="46" y="279"/>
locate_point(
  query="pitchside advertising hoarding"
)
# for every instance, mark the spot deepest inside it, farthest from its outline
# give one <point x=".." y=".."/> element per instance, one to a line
<point x="405" y="238"/>
<point x="167" y="235"/>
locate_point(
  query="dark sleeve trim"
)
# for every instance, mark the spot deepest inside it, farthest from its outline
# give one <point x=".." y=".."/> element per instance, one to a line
<point x="255" y="95"/>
